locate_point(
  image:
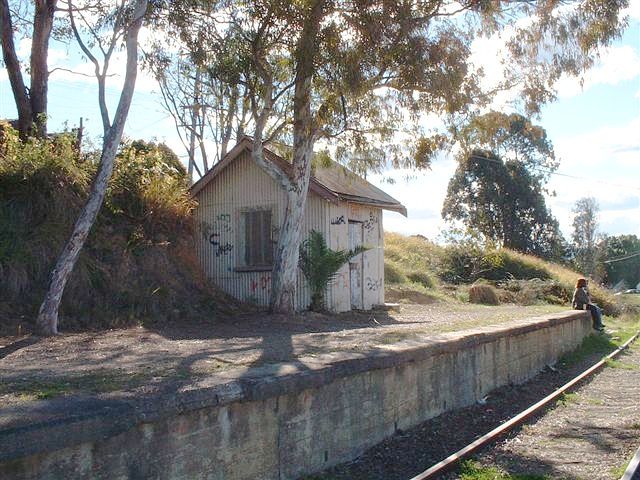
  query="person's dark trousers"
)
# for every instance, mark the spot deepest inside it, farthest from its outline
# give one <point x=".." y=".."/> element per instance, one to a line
<point x="596" y="316"/>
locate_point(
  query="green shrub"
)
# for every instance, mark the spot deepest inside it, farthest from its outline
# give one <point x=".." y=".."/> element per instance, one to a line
<point x="423" y="278"/>
<point x="320" y="265"/>
<point x="467" y="263"/>
<point x="528" y="292"/>
<point x="139" y="250"/>
<point x="393" y="273"/>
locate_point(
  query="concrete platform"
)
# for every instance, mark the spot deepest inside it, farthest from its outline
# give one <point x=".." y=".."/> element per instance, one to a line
<point x="279" y="420"/>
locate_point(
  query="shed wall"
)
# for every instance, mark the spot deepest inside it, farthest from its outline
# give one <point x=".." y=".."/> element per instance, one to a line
<point x="219" y="242"/>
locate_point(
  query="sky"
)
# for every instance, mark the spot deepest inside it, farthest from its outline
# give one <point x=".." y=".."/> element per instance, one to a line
<point x="594" y="127"/>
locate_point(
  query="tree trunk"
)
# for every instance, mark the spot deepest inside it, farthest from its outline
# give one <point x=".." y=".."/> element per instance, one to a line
<point x="47" y="322"/>
<point x="42" y="26"/>
<point x="20" y="95"/>
<point x="48" y="315"/>
<point x="285" y="267"/>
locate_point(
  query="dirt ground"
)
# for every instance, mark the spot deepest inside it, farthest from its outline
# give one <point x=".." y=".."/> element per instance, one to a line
<point x="148" y="359"/>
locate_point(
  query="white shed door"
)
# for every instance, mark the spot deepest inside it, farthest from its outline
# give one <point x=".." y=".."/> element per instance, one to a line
<point x="355" y="266"/>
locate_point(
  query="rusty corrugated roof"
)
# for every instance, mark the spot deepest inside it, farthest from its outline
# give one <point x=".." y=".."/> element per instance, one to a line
<point x="331" y="181"/>
<point x="351" y="187"/>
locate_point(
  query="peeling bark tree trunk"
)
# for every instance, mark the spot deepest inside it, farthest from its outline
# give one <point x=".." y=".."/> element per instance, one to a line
<point x="47" y="321"/>
<point x="19" y="89"/>
<point x="42" y="26"/>
<point x="285" y="269"/>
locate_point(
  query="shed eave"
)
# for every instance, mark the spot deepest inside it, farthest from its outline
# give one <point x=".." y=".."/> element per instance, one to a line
<point x="393" y="207"/>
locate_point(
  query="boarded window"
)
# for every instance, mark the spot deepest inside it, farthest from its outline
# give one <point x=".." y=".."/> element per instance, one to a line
<point x="258" y="247"/>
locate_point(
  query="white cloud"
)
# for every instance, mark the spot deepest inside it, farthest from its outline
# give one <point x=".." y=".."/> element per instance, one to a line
<point x="602" y="164"/>
<point x="633" y="10"/>
<point x="616" y="64"/>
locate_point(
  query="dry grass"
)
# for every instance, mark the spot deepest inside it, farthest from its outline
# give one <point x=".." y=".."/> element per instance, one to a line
<point x="483" y="294"/>
<point x="138" y="264"/>
<point x="411" y="259"/>
<point x="415" y="263"/>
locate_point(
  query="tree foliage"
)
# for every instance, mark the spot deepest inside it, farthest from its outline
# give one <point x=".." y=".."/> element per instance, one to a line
<point x="362" y="74"/>
<point x="504" y="203"/>
<point x="511" y="137"/>
<point x="619" y="260"/>
<point x="497" y="188"/>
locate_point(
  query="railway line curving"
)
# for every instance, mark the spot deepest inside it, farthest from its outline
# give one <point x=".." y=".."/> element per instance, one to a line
<point x="632" y="472"/>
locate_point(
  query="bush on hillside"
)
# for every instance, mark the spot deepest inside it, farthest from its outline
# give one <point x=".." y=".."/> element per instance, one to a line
<point x="484" y="294"/>
<point x="393" y="273"/>
<point x="468" y="263"/>
<point x="522" y="278"/>
<point x="138" y="263"/>
<point x="423" y="278"/>
<point x="528" y="292"/>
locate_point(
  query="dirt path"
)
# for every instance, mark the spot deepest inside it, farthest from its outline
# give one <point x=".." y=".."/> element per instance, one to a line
<point x="145" y="359"/>
<point x="590" y="435"/>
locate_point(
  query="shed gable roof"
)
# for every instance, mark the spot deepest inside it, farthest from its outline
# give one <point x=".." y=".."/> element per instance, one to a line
<point x="334" y="182"/>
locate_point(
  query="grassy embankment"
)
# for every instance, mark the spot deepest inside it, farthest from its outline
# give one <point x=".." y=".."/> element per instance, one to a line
<point x="417" y="270"/>
<point x="138" y="264"/>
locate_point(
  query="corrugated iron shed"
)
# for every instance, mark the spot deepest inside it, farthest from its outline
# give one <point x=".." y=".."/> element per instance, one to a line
<point x="333" y="182"/>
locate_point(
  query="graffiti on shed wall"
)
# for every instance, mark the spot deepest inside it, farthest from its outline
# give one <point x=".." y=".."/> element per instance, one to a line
<point x="371" y="222"/>
<point x="373" y="284"/>
<point x="212" y="232"/>
<point x="220" y="249"/>
<point x="263" y="283"/>
<point x="338" y="220"/>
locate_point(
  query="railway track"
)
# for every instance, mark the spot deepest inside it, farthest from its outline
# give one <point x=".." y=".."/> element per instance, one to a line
<point x="632" y="472"/>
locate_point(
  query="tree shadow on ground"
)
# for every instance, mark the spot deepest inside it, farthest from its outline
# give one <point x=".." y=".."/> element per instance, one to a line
<point x="266" y="325"/>
<point x="17" y="345"/>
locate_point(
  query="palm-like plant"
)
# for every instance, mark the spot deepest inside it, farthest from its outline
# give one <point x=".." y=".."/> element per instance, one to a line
<point x="320" y="264"/>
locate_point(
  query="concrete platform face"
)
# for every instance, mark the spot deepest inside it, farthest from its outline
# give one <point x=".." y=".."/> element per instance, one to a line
<point x="281" y="421"/>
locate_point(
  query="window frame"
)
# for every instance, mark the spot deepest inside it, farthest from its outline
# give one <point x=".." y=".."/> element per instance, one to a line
<point x="243" y="261"/>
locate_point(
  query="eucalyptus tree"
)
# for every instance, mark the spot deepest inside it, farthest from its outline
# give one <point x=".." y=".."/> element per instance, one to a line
<point x="620" y="260"/>
<point x="208" y="114"/>
<point x="361" y="74"/>
<point x="503" y="202"/>
<point x="34" y="20"/>
<point x="497" y="190"/>
<point x="105" y="26"/>
<point x="585" y="234"/>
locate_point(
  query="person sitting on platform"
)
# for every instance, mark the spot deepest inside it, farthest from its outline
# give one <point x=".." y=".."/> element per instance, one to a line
<point x="582" y="301"/>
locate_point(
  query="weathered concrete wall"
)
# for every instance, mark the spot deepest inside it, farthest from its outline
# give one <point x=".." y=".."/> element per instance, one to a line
<point x="279" y="421"/>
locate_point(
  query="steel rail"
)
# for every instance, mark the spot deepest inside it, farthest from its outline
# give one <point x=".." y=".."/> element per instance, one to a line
<point x="633" y="469"/>
<point x="448" y="462"/>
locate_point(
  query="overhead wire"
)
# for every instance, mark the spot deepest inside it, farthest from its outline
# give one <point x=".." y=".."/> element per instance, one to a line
<point x="626" y="257"/>
<point x="561" y="174"/>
